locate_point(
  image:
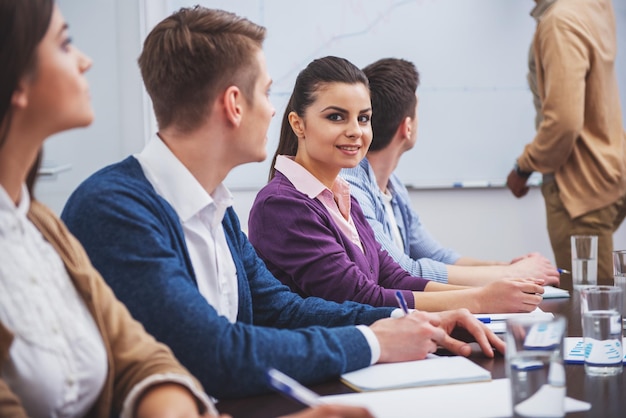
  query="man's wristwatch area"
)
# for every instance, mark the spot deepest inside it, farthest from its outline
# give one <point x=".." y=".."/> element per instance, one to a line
<point x="520" y="172"/>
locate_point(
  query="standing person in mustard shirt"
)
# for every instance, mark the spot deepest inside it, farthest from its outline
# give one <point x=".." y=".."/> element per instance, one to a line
<point x="580" y="145"/>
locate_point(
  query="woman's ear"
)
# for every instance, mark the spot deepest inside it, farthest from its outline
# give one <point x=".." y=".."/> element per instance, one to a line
<point x="297" y="124"/>
<point x="19" y="98"/>
<point x="233" y="109"/>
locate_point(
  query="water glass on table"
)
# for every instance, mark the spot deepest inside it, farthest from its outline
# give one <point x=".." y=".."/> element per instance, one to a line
<point x="534" y="365"/>
<point x="619" y="277"/>
<point x="601" y="311"/>
<point x="584" y="260"/>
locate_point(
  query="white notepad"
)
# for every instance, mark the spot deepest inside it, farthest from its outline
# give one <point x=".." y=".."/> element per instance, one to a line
<point x="551" y="292"/>
<point x="434" y="370"/>
<point x="471" y="400"/>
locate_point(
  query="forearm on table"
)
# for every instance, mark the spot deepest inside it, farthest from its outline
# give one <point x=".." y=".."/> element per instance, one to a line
<point x="474" y="275"/>
<point x="469" y="261"/>
<point x="434" y="301"/>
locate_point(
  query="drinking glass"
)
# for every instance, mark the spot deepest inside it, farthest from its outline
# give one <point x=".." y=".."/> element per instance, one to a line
<point x="619" y="277"/>
<point x="584" y="260"/>
<point x="601" y="310"/>
<point x="534" y="364"/>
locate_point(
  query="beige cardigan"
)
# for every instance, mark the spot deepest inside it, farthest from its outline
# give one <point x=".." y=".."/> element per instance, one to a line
<point x="132" y="353"/>
<point x="581" y="138"/>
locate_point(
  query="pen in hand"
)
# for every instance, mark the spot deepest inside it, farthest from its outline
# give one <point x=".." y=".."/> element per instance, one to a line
<point x="288" y="386"/>
<point x="402" y="302"/>
<point x="563" y="271"/>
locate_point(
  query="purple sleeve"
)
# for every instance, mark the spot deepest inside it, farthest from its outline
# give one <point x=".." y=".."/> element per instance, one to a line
<point x="302" y="246"/>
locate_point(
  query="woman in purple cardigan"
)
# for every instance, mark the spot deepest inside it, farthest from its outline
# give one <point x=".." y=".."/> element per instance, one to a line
<point x="313" y="236"/>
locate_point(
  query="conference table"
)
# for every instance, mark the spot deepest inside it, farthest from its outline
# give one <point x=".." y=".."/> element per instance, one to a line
<point x="607" y="395"/>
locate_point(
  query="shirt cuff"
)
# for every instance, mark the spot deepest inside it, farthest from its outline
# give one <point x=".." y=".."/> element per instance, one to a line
<point x="399" y="313"/>
<point x="372" y="341"/>
<point x="131" y="399"/>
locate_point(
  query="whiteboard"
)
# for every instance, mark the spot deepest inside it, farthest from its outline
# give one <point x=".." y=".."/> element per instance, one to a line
<point x="475" y="107"/>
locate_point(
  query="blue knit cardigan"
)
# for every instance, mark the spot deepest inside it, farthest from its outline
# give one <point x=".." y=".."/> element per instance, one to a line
<point x="135" y="239"/>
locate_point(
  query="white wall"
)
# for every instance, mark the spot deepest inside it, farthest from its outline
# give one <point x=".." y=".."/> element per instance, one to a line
<point x="484" y="223"/>
<point x="489" y="224"/>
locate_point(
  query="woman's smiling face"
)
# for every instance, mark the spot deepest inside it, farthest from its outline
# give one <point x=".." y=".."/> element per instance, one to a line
<point x="335" y="131"/>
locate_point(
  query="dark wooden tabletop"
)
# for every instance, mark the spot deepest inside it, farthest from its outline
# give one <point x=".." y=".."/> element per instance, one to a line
<point x="607" y="395"/>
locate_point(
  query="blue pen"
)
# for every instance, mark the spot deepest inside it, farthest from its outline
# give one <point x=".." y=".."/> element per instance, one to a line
<point x="287" y="386"/>
<point x="402" y="302"/>
<point x="484" y="319"/>
<point x="563" y="271"/>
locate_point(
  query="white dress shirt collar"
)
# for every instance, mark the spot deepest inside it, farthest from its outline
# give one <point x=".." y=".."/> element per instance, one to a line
<point x="6" y="203"/>
<point x="201" y="218"/>
<point x="175" y="183"/>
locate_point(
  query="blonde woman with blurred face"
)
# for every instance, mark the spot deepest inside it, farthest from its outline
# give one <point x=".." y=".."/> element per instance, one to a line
<point x="67" y="346"/>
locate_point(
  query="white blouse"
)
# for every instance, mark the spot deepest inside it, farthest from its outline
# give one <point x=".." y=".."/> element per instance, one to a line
<point x="57" y="363"/>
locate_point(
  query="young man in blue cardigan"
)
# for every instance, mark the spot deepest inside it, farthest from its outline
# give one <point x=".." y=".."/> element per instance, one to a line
<point x="160" y="228"/>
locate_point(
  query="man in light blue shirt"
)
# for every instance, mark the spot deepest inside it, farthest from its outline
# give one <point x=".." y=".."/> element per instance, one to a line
<point x="385" y="200"/>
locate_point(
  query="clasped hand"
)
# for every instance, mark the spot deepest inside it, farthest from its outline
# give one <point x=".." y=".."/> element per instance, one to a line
<point x="416" y="335"/>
